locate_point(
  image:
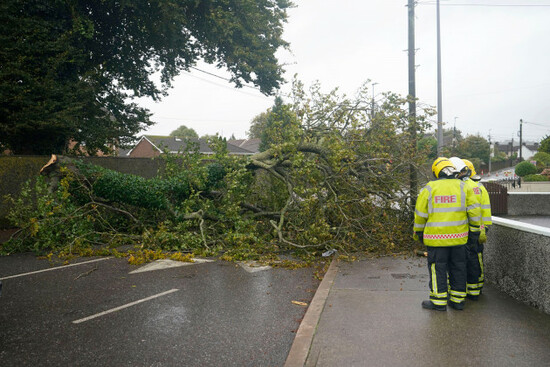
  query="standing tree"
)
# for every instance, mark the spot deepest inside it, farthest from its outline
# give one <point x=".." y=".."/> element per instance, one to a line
<point x="257" y="125"/>
<point x="70" y="69"/>
<point x="545" y="144"/>
<point x="474" y="146"/>
<point x="184" y="132"/>
<point x="280" y="125"/>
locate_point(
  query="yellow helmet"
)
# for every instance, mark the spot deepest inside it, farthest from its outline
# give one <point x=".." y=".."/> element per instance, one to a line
<point x="443" y="164"/>
<point x="470" y="165"/>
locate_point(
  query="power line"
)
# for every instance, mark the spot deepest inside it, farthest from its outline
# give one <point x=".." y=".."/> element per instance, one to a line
<point x="486" y="5"/>
<point x="229" y="80"/>
<point x="535" y="123"/>
<point x="223" y="78"/>
<point x="225" y="86"/>
<point x="501" y="91"/>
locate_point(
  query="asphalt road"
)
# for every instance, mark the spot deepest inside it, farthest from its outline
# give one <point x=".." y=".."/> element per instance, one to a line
<point x="100" y="314"/>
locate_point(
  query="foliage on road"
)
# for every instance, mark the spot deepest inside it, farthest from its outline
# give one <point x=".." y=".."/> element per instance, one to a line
<point x="334" y="176"/>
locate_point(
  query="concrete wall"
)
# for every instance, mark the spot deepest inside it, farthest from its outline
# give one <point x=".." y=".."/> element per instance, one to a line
<point x="517" y="261"/>
<point x="528" y="203"/>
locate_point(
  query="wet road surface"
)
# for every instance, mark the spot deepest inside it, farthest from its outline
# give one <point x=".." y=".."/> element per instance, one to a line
<point x="100" y="314"/>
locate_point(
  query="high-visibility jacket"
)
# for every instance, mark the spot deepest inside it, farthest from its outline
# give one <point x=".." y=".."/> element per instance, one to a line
<point x="446" y="209"/>
<point x="486" y="218"/>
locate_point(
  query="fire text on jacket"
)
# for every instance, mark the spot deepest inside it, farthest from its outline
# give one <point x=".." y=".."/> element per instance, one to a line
<point x="445" y="199"/>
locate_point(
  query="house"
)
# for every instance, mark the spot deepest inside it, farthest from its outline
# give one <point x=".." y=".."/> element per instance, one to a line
<point x="528" y="149"/>
<point x="252" y="145"/>
<point x="150" y="146"/>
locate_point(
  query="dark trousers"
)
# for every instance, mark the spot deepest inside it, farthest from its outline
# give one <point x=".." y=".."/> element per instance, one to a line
<point x="474" y="269"/>
<point x="443" y="261"/>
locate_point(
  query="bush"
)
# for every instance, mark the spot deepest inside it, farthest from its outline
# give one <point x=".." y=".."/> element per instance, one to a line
<point x="542" y="157"/>
<point x="525" y="168"/>
<point x="534" y="178"/>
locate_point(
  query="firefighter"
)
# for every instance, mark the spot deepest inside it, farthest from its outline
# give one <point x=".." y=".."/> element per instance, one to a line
<point x="446" y="212"/>
<point x="472" y="264"/>
<point x="475" y="283"/>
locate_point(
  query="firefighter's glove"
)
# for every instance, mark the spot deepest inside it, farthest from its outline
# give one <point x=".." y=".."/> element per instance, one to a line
<point x="486" y="229"/>
<point x="483" y="236"/>
<point x="419" y="236"/>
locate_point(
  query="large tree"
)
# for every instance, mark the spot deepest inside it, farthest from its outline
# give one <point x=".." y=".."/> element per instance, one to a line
<point x="474" y="146"/>
<point x="545" y="144"/>
<point x="69" y="69"/>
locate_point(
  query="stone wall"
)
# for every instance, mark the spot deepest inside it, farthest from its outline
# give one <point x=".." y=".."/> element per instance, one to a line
<point x="528" y="203"/>
<point x="517" y="261"/>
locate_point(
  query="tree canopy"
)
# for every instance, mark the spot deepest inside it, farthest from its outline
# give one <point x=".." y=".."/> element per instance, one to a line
<point x="257" y="125"/>
<point x="545" y="144"/>
<point x="184" y="132"/>
<point x="474" y="146"/>
<point x="70" y="69"/>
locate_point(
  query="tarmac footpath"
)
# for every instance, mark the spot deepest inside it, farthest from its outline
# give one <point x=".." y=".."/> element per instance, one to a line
<point x="368" y="313"/>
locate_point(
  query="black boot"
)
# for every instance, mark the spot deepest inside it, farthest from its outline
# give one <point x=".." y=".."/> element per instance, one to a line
<point x="431" y="306"/>
<point x="456" y="306"/>
<point x="472" y="297"/>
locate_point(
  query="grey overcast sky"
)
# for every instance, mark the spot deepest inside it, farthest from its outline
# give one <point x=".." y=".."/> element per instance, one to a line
<point x="495" y="57"/>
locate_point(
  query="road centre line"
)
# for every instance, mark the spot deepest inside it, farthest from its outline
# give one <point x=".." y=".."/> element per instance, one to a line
<point x="55" y="268"/>
<point x="124" y="306"/>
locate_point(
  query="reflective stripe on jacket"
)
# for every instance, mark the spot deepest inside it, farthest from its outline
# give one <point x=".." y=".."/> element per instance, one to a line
<point x="445" y="211"/>
<point x="486" y="218"/>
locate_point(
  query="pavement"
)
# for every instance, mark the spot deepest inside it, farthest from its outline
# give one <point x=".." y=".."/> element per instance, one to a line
<point x="538" y="220"/>
<point x="368" y="313"/>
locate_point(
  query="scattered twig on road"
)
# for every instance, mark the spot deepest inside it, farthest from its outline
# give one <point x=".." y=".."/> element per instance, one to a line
<point x="86" y="273"/>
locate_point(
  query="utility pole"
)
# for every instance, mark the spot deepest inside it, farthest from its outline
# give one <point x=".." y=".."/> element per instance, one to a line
<point x="520" y="137"/>
<point x="439" y="102"/>
<point x="412" y="104"/>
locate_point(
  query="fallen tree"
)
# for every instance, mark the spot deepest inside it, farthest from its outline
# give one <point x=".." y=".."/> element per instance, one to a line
<point x="335" y="177"/>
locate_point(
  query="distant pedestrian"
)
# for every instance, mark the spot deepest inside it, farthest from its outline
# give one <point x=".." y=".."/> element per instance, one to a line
<point x="519" y="182"/>
<point x="446" y="212"/>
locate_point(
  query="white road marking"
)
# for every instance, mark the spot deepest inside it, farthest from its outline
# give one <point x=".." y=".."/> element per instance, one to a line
<point x="124" y="306"/>
<point x="167" y="263"/>
<point x="56" y="268"/>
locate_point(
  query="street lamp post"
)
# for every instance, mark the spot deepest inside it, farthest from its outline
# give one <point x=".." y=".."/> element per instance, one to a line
<point x="439" y="103"/>
<point x="454" y="135"/>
